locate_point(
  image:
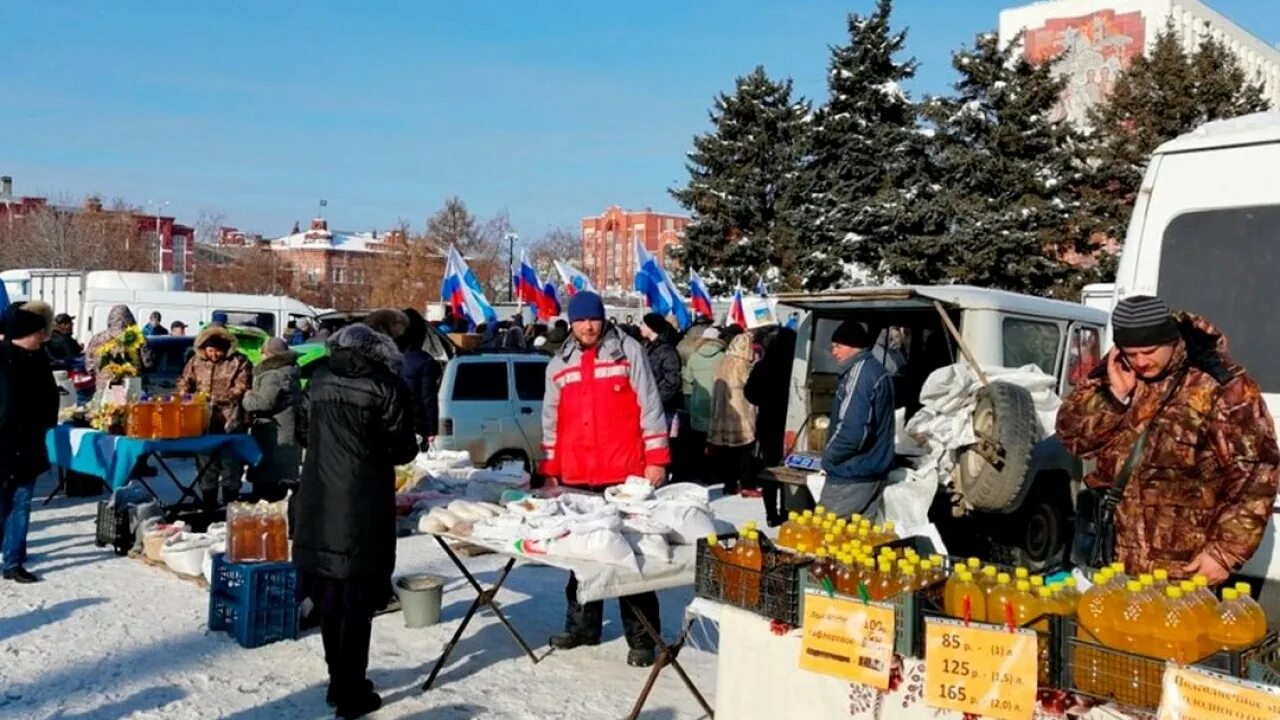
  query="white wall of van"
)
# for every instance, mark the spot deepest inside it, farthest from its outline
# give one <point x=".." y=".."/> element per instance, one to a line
<point x="268" y="312"/>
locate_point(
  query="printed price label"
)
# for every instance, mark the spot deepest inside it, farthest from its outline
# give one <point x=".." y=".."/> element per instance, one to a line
<point x="1190" y="694"/>
<point x="980" y="669"/>
<point x="847" y="639"/>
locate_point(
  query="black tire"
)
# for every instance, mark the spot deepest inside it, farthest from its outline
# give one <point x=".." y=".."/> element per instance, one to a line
<point x="1039" y="534"/>
<point x="503" y="457"/>
<point x="1005" y="420"/>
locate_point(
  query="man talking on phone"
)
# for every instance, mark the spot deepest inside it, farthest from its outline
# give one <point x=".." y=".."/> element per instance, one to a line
<point x="1199" y="487"/>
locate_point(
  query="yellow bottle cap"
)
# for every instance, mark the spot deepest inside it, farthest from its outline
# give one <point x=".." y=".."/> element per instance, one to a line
<point x="1229" y="594"/>
<point x="712" y="539"/>
<point x="1200" y="581"/>
<point x="1003" y="578"/>
<point x="1133" y="586"/>
<point x="822" y="553"/>
<point x="1147" y="579"/>
<point x="793" y="516"/>
<point x="753" y="535"/>
<point x="820" y="510"/>
<point x="1102" y="576"/>
<point x="855" y="518"/>
<point x="1173" y="593"/>
<point x="1045" y="593"/>
<point x="1024" y="586"/>
<point x="973" y="563"/>
<point x="1037" y="581"/>
<point x="989" y="571"/>
<point x="1244" y="588"/>
<point x="828" y="538"/>
<point x="1021" y="573"/>
<point x="1186" y="586"/>
<point x="1070" y="581"/>
<point x="1117" y="568"/>
<point x="802" y="548"/>
<point x="1161" y="574"/>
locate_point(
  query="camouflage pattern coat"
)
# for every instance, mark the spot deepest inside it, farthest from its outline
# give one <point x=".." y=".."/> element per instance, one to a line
<point x="1208" y="477"/>
<point x="225" y="383"/>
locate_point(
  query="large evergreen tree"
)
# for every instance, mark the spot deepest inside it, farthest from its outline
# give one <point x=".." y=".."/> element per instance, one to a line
<point x="738" y="186"/>
<point x="864" y="145"/>
<point x="993" y="205"/>
<point x="1158" y="97"/>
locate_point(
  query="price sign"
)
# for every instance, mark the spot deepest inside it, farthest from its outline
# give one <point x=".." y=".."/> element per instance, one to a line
<point x="847" y="639"/>
<point x="1201" y="695"/>
<point x="980" y="669"/>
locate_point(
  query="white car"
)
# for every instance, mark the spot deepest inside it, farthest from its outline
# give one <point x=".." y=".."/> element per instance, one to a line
<point x="491" y="407"/>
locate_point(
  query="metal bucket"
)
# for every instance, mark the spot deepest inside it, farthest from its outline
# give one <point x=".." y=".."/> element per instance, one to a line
<point x="420" y="597"/>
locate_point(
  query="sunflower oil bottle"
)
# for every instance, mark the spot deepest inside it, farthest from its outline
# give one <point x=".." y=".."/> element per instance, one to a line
<point x="1161" y="577"/>
<point x="1071" y="594"/>
<point x="967" y="589"/>
<point x="1235" y="628"/>
<point x="1094" y="626"/>
<point x="886" y="583"/>
<point x="751" y="559"/>
<point x="1257" y="616"/>
<point x="1176" y="634"/>
<point x="1000" y="600"/>
<point x="1135" y="630"/>
<point x="787" y="533"/>
<point x="728" y="570"/>
<point x="1025" y="605"/>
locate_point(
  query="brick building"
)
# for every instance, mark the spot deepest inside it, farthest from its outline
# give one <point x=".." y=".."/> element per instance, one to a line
<point x="172" y="243"/>
<point x="608" y="243"/>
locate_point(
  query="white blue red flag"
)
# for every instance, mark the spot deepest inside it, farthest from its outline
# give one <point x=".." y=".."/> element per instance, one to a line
<point x="462" y="290"/>
<point x="737" y="313"/>
<point x="660" y="293"/>
<point x="574" y="280"/>
<point x="699" y="296"/>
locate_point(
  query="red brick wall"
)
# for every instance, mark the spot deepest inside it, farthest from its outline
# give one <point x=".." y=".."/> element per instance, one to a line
<point x="616" y="269"/>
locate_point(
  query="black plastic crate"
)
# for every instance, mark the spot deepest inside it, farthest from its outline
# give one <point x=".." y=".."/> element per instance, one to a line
<point x="111" y="527"/>
<point x="1090" y="668"/>
<point x="774" y="592"/>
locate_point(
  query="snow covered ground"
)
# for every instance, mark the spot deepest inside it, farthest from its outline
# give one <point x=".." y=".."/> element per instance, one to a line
<point x="106" y="637"/>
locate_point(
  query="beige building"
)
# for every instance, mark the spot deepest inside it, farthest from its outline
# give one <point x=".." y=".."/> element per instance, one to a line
<point x="1098" y="38"/>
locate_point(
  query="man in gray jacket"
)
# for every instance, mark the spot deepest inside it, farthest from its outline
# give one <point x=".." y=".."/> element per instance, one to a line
<point x="276" y="422"/>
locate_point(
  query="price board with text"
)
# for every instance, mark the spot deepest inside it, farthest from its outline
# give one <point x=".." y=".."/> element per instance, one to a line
<point x="847" y="638"/>
<point x="1192" y="694"/>
<point x="980" y="669"/>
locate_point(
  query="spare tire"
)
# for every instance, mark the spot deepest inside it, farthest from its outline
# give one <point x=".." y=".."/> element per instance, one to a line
<point x="993" y="471"/>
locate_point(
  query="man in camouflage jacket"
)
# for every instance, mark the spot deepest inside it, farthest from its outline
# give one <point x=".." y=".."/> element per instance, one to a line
<point x="1202" y="491"/>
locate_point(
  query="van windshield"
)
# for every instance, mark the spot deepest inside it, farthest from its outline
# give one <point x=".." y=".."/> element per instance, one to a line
<point x="1220" y="264"/>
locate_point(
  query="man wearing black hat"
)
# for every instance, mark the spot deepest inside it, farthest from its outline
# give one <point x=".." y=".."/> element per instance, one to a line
<point x="28" y="408"/>
<point x="664" y="362"/>
<point x="1192" y="429"/>
<point x="860" y="436"/>
<point x="62" y="346"/>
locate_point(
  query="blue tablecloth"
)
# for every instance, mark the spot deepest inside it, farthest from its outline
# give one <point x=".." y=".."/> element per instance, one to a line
<point x="112" y="457"/>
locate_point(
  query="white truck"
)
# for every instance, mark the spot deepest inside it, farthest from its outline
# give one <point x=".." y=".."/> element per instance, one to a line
<point x="1205" y="236"/>
<point x="1012" y="497"/>
<point x="64" y="290"/>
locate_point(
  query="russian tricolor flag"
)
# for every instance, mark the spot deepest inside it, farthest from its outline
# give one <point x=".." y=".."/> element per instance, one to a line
<point x="528" y="286"/>
<point x="548" y="303"/>
<point x="699" y="296"/>
<point x="461" y="289"/>
<point x="659" y="291"/>
<point x="737" y="313"/>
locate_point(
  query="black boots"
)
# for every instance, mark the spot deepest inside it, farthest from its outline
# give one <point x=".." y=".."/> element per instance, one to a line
<point x="21" y="575"/>
<point x="571" y="640"/>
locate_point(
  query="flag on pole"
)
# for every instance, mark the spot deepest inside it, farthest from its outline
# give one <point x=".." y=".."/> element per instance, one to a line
<point x="461" y="289"/>
<point x="528" y="286"/>
<point x="761" y="289"/>
<point x="548" y="303"/>
<point x="699" y="297"/>
<point x="737" y="313"/>
<point x="660" y="293"/>
<point x="574" y="280"/>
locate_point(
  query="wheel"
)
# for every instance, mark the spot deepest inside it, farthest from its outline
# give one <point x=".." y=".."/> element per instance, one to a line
<point x="1039" y="534"/>
<point x="993" y="470"/>
<point x="502" y="457"/>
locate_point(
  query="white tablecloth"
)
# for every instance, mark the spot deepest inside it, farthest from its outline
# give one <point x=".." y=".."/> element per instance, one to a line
<point x="601" y="581"/>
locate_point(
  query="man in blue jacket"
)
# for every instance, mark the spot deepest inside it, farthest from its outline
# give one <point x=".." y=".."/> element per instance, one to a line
<point x="860" y="437"/>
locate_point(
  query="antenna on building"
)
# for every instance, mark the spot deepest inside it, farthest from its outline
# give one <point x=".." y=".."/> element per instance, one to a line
<point x="320" y="210"/>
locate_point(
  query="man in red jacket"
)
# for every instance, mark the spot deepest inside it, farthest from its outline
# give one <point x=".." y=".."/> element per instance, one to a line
<point x="602" y="421"/>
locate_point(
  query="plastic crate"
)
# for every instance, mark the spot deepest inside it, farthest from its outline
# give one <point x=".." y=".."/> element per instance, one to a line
<point x="111" y="527"/>
<point x="255" y="603"/>
<point x="773" y="592"/>
<point x="1090" y="668"/>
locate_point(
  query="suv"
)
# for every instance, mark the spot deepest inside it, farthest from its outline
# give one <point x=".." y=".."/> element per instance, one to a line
<point x="491" y="407"/>
<point x="1018" y="492"/>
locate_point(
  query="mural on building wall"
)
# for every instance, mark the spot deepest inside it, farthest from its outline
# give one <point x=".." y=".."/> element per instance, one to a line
<point x="1093" y="50"/>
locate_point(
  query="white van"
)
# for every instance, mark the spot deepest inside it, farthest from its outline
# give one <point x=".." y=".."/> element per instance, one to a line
<point x="270" y="313"/>
<point x="1205" y="236"/>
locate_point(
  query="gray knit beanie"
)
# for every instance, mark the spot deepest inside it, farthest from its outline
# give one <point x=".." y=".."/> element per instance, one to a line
<point x="1143" y="321"/>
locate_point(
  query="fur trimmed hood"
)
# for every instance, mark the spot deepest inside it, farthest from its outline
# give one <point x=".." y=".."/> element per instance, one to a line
<point x="361" y="345"/>
<point x="215" y="331"/>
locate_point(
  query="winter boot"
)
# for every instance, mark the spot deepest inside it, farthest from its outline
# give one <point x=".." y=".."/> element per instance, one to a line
<point x="641" y="657"/>
<point x="571" y="640"/>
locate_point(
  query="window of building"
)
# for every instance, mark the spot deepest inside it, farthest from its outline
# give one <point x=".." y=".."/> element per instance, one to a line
<point x="1031" y="342"/>
<point x="531" y="381"/>
<point x="481" y="381"/>
<point x="337" y="275"/>
<point x="179" y="253"/>
<point x="668" y="223"/>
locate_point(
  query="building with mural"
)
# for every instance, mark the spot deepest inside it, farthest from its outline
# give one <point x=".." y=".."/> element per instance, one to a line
<point x="1097" y="39"/>
<point x="608" y="243"/>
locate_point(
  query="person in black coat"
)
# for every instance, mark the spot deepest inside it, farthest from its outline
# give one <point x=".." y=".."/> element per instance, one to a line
<point x="28" y="408"/>
<point x="664" y="362"/>
<point x="767" y="388"/>
<point x="359" y="430"/>
<point x="421" y="373"/>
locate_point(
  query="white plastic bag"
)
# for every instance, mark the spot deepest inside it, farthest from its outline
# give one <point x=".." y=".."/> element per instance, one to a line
<point x="184" y="552"/>
<point x="686" y="523"/>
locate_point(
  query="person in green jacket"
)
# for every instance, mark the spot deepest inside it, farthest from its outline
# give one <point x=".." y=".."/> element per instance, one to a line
<point x="699" y="376"/>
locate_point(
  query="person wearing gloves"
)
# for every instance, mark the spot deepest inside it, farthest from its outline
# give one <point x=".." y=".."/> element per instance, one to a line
<point x="602" y="421"/>
<point x="28" y="408"/>
<point x="860" y="436"/>
<point x="344" y="542"/>
<point x="275" y="420"/>
<point x="222" y="375"/>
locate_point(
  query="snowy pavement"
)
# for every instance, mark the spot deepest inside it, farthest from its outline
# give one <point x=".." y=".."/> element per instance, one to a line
<point x="106" y="637"/>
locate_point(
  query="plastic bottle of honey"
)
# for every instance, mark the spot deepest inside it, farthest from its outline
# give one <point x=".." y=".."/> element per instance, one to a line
<point x="1257" y="616"/>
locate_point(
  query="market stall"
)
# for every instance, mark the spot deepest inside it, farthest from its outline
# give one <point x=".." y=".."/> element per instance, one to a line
<point x="114" y="457"/>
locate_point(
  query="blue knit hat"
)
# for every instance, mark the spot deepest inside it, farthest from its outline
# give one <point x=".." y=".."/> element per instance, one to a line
<point x="586" y="306"/>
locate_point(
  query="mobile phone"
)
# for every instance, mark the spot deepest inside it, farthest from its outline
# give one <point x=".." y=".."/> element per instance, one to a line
<point x="1124" y="361"/>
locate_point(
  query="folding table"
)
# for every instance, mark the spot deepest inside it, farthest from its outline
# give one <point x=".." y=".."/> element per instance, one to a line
<point x="596" y="581"/>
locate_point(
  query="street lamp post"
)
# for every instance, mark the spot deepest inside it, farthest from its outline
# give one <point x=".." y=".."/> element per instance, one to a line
<point x="511" y="263"/>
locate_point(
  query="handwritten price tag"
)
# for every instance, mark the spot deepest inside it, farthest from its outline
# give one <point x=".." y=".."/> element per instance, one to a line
<point x="1190" y="694"/>
<point x="847" y="639"/>
<point x="980" y="669"/>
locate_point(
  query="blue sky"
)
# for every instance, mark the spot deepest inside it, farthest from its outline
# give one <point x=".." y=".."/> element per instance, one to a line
<point x="551" y="109"/>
